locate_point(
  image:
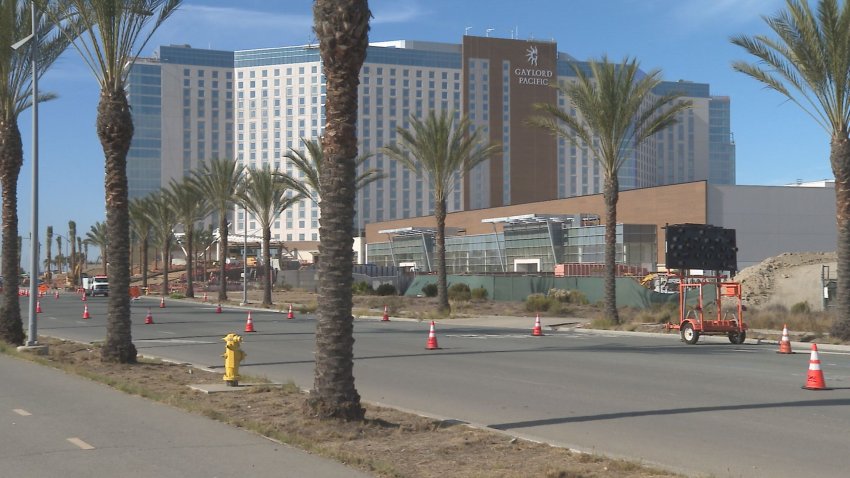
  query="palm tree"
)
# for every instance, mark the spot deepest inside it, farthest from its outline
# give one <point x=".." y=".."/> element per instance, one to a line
<point x="190" y="206"/>
<point x="204" y="239"/>
<point x="59" y="250"/>
<point x="72" y="239"/>
<point x="310" y="164"/>
<point x="617" y="112"/>
<point x="440" y="147"/>
<point x="49" y="245"/>
<point x="809" y="64"/>
<point x="109" y="34"/>
<point x="342" y="28"/>
<point x="15" y="97"/>
<point x="163" y="218"/>
<point x="265" y="197"/>
<point x="141" y="224"/>
<point x="221" y="180"/>
<point x="98" y="236"/>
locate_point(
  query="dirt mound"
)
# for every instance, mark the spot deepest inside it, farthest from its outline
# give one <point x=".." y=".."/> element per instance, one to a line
<point x="787" y="279"/>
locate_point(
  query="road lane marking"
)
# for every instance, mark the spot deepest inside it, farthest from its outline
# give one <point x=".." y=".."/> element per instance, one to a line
<point x="22" y="412"/>
<point x="83" y="445"/>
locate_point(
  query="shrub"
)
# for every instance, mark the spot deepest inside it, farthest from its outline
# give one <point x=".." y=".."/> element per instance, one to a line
<point x="361" y="288"/>
<point x="537" y="303"/>
<point x="385" y="289"/>
<point x="459" y="292"/>
<point x="286" y="287"/>
<point x="568" y="296"/>
<point x="479" y="293"/>
<point x="801" y="308"/>
<point x="430" y="290"/>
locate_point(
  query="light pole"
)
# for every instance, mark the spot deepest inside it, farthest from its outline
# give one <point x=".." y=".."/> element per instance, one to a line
<point x="32" y="39"/>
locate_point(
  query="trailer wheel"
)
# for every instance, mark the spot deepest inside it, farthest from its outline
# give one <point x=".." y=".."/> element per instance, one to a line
<point x="689" y="335"/>
<point x="738" y="338"/>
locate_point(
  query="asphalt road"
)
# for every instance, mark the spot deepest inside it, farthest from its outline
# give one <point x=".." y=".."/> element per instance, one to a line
<point x="54" y="424"/>
<point x="713" y="408"/>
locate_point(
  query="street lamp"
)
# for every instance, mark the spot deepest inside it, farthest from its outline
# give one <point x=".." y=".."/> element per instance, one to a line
<point x="32" y="39"/>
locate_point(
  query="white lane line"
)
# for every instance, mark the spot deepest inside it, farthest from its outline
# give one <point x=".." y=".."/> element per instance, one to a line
<point x="22" y="412"/>
<point x="167" y="332"/>
<point x="83" y="445"/>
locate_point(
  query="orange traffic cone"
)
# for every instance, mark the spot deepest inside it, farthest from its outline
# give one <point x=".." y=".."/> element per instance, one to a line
<point x="815" y="379"/>
<point x="38" y="307"/>
<point x="149" y="317"/>
<point x="218" y="309"/>
<point x="290" y="315"/>
<point x="56" y="295"/>
<point x="205" y="296"/>
<point x="249" y="324"/>
<point x="785" y="342"/>
<point x="386" y="317"/>
<point x="83" y="298"/>
<point x="162" y="302"/>
<point x="86" y="312"/>
<point x="537" y="331"/>
<point x="432" y="339"/>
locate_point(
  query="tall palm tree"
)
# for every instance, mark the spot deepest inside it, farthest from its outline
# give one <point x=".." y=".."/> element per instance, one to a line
<point x="190" y="206"/>
<point x="49" y="244"/>
<point x="342" y="28"/>
<point x="98" y="236"/>
<point x="265" y="196"/>
<point x="109" y="34"/>
<point x="221" y="180"/>
<point x="163" y="218"/>
<point x="72" y="239"/>
<point x="617" y="112"/>
<point x="310" y="164"/>
<point x="141" y="223"/>
<point x="59" y="251"/>
<point x="809" y="63"/>
<point x="440" y="147"/>
<point x="15" y="97"/>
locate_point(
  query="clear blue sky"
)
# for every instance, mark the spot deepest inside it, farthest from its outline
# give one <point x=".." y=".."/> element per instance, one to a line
<point x="776" y="142"/>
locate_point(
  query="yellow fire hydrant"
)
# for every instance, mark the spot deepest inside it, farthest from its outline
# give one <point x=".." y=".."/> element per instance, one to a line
<point x="233" y="355"/>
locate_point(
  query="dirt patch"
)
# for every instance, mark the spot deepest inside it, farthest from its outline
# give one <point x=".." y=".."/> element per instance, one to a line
<point x="388" y="443"/>
<point x="787" y="279"/>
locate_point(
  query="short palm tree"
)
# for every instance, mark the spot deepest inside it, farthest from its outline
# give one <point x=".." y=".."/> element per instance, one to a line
<point x="809" y="64"/>
<point x="264" y="195"/>
<point x="440" y="147"/>
<point x="163" y="218"/>
<point x="204" y="240"/>
<point x="617" y="112"/>
<point x="190" y="206"/>
<point x="98" y="236"/>
<point x="309" y="163"/>
<point x="109" y="34"/>
<point x="15" y="97"/>
<point x="221" y="180"/>
<point x="342" y="28"/>
<point x="141" y="223"/>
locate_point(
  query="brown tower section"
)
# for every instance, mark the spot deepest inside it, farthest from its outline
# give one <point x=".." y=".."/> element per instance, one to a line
<point x="531" y="73"/>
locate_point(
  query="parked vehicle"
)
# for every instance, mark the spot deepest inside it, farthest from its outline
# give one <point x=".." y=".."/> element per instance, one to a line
<point x="97" y="285"/>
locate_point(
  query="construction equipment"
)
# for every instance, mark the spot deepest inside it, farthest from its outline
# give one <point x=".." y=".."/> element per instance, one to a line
<point x="697" y="297"/>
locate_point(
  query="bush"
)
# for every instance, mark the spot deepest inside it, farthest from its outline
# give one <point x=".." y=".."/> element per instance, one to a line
<point x="361" y="288"/>
<point x="537" y="303"/>
<point x="479" y="293"/>
<point x="385" y="289"/>
<point x="459" y="292"/>
<point x="430" y="290"/>
<point x="568" y="296"/>
<point x="801" y="308"/>
<point x="286" y="287"/>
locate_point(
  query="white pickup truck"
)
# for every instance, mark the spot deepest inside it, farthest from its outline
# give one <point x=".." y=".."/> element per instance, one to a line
<point x="97" y="285"/>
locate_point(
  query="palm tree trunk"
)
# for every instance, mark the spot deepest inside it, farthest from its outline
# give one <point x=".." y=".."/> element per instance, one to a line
<point x="222" y="257"/>
<point x="442" y="283"/>
<point x="840" y="158"/>
<point x="166" y="263"/>
<point x="11" y="160"/>
<point x="611" y="194"/>
<point x="145" y="262"/>
<point x="190" y="258"/>
<point x="267" y="267"/>
<point x="115" y="130"/>
<point x="342" y="28"/>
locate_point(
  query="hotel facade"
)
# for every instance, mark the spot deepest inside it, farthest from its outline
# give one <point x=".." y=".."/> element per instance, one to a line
<point x="192" y="105"/>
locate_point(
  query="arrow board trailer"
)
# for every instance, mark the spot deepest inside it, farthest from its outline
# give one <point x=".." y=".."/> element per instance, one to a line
<point x="710" y="306"/>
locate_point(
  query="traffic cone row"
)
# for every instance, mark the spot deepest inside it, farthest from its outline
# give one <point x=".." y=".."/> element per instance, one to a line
<point x="149" y="317"/>
<point x="86" y="311"/>
<point x="815" y="381"/>
<point x="386" y="317"/>
<point x="432" y="339"/>
<point x="290" y="315"/>
<point x="249" y="324"/>
<point x="785" y="342"/>
<point x="537" y="331"/>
